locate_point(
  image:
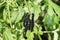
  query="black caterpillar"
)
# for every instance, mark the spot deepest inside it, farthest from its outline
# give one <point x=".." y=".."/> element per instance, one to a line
<point x="29" y="24"/>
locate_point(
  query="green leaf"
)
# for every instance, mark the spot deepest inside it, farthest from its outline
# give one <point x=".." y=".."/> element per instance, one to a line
<point x="14" y="14"/>
<point x="35" y="30"/>
<point x="37" y="1"/>
<point x="5" y="14"/>
<point x="56" y="20"/>
<point x="48" y="19"/>
<point x="7" y="34"/>
<point x="29" y="35"/>
<point x="40" y="31"/>
<point x="13" y="3"/>
<point x="56" y="7"/>
<point x="43" y="7"/>
<point x="21" y="37"/>
<point x="20" y="14"/>
<point x="37" y="11"/>
<point x="17" y="14"/>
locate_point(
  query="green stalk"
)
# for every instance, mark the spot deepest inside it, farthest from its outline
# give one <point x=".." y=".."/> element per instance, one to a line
<point x="39" y="37"/>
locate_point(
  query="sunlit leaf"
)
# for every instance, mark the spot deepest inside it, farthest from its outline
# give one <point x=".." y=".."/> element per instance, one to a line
<point x="37" y="11"/>
<point x="7" y="34"/>
<point x="56" y="7"/>
<point x="35" y="30"/>
<point x="29" y="35"/>
<point x="40" y="32"/>
<point x="56" y="19"/>
<point x="14" y="14"/>
<point x="20" y="14"/>
<point x="49" y="16"/>
<point x="5" y="14"/>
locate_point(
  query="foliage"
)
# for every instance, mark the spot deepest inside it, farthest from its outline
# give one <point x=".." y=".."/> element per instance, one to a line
<point x="11" y="19"/>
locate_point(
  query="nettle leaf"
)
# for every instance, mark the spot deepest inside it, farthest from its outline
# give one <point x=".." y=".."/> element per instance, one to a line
<point x="19" y="2"/>
<point x="49" y="18"/>
<point x="7" y="34"/>
<point x="30" y="7"/>
<point x="56" y="20"/>
<point x="37" y="1"/>
<point x="6" y="16"/>
<point x="26" y="9"/>
<point x="29" y="35"/>
<point x="20" y="14"/>
<point x="37" y="11"/>
<point x="35" y="30"/>
<point x="43" y="7"/>
<point x="14" y="4"/>
<point x="56" y="7"/>
<point x="14" y="14"/>
<point x="21" y="37"/>
<point x="17" y="14"/>
<point x="39" y="31"/>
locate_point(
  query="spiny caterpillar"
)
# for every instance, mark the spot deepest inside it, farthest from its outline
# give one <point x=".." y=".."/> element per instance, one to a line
<point x="28" y="23"/>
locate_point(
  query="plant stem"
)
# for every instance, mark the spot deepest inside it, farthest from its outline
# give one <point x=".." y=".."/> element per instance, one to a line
<point x="39" y="37"/>
<point x="51" y="31"/>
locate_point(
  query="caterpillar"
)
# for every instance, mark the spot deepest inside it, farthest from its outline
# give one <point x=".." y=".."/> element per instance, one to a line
<point x="28" y="23"/>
